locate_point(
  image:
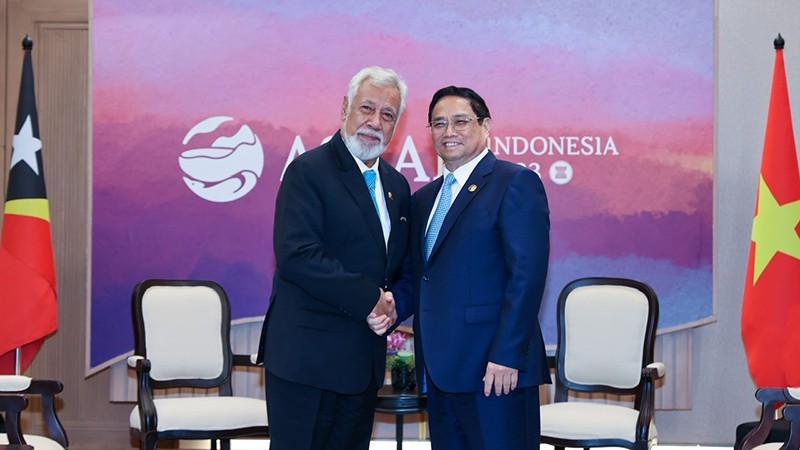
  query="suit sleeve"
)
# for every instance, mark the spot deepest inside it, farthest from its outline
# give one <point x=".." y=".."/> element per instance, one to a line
<point x="525" y="234"/>
<point x="300" y="252"/>
<point x="404" y="293"/>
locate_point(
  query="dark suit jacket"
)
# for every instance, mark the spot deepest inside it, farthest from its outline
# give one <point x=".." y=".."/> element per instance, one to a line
<point x="477" y="298"/>
<point x="331" y="261"/>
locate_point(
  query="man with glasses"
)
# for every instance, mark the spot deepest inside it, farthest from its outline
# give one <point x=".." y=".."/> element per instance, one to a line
<point x="479" y="250"/>
<point x="341" y="229"/>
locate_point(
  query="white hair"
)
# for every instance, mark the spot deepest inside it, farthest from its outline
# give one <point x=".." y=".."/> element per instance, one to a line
<point x="378" y="76"/>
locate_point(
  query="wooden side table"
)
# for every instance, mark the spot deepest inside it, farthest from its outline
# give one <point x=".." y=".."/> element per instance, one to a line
<point x="399" y="402"/>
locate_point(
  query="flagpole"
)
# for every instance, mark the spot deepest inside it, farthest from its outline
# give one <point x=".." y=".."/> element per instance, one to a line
<point x="27" y="45"/>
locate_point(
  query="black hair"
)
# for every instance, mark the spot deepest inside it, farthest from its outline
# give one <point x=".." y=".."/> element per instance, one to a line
<point x="475" y="101"/>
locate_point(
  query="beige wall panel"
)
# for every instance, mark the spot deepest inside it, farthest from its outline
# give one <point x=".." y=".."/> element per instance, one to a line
<point x="60" y="32"/>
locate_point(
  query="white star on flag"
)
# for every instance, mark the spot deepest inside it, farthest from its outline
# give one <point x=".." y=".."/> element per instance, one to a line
<point x="25" y="147"/>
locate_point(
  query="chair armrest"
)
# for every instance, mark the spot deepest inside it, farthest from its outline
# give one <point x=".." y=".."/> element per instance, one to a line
<point x="758" y="435"/>
<point x="793" y="392"/>
<point x="45" y="387"/>
<point x="12" y="405"/>
<point x="656" y="369"/>
<point x="246" y="360"/>
<point x="646" y="402"/>
<point x="134" y="360"/>
<point x="139" y="363"/>
<point x="144" y="393"/>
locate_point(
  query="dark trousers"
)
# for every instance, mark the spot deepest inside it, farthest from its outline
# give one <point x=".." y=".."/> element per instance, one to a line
<point x="304" y="417"/>
<point x="471" y="421"/>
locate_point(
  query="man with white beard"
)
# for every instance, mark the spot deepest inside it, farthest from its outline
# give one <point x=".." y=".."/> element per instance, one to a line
<point x="341" y="227"/>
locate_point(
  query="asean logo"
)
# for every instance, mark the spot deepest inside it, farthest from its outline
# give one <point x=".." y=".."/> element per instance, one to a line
<point x="228" y="169"/>
<point x="561" y="172"/>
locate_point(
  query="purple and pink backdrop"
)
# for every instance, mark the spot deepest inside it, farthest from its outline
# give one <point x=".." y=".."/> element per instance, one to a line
<point x="198" y="105"/>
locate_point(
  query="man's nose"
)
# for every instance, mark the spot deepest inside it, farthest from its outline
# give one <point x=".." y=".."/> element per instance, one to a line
<point x="374" y="120"/>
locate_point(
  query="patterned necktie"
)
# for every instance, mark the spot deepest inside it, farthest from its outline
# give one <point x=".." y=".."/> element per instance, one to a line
<point x="369" y="177"/>
<point x="438" y="216"/>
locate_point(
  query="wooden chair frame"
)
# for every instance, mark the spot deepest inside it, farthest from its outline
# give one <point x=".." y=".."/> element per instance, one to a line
<point x="47" y="390"/>
<point x="643" y="393"/>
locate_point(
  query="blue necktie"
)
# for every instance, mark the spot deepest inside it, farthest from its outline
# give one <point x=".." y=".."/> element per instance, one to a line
<point x="369" y="177"/>
<point x="438" y="216"/>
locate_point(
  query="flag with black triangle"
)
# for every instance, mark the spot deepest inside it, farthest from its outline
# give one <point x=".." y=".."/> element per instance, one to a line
<point x="28" y="309"/>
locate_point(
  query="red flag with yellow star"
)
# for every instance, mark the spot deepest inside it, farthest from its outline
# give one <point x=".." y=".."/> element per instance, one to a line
<point x="27" y="274"/>
<point x="771" y="306"/>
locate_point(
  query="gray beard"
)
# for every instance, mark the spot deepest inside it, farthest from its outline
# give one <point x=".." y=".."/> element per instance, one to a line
<point x="361" y="151"/>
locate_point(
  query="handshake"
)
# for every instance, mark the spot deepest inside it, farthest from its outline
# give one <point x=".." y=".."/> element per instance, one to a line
<point x="383" y="315"/>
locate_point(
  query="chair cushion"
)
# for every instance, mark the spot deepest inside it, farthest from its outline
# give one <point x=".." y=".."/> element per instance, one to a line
<point x="14" y="383"/>
<point x="38" y="442"/>
<point x="769" y="446"/>
<point x="584" y="420"/>
<point x="206" y="413"/>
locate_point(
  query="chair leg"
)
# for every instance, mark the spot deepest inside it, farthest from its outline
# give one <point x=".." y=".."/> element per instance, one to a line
<point x="225" y="444"/>
<point x="149" y="442"/>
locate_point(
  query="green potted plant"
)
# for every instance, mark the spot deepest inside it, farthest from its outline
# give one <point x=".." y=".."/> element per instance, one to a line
<point x="400" y="360"/>
<point x="402" y="367"/>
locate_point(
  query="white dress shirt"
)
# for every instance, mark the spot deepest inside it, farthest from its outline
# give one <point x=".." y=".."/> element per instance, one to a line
<point x="386" y="222"/>
<point x="461" y="175"/>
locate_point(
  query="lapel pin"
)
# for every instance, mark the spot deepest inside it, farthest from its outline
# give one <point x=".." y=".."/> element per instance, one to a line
<point x="390" y="195"/>
<point x="472" y="187"/>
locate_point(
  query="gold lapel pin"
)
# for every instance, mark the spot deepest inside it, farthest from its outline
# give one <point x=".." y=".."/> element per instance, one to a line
<point x="472" y="187"/>
<point x="390" y="195"/>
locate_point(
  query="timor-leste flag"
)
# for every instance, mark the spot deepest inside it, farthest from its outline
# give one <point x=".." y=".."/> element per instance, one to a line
<point x="771" y="304"/>
<point x="28" y="310"/>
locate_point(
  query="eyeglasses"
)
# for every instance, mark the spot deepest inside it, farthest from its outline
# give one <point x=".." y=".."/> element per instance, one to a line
<point x="457" y="124"/>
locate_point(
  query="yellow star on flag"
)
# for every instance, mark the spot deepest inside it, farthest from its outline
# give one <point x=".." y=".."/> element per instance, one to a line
<point x="774" y="229"/>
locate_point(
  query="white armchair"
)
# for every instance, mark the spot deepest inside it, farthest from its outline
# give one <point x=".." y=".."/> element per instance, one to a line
<point x="606" y="334"/>
<point x="182" y="334"/>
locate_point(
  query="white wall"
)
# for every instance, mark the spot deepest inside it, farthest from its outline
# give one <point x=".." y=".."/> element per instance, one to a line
<point x="723" y="390"/>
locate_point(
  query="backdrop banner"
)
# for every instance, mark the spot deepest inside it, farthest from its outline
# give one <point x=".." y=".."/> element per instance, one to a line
<point x="199" y="105"/>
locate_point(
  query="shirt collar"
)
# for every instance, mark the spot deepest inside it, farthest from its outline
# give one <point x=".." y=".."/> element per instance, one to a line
<point x="363" y="167"/>
<point x="462" y="173"/>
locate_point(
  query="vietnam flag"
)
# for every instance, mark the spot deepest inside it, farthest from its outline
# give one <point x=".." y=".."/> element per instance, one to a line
<point x="771" y="304"/>
<point x="28" y="311"/>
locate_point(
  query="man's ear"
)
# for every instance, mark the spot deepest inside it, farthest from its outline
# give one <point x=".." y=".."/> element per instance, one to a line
<point x="344" y="108"/>
<point x="487" y="124"/>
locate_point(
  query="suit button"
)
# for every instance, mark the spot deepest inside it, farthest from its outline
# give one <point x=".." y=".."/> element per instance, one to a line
<point x="426" y="278"/>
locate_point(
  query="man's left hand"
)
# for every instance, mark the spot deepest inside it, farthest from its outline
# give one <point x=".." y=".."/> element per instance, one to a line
<point x="503" y="378"/>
